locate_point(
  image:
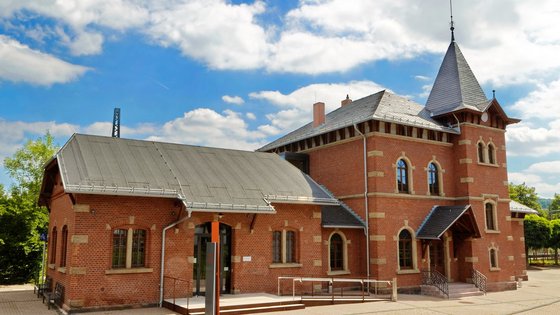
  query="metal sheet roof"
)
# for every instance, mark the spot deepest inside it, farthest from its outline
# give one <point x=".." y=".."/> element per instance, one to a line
<point x="455" y="86"/>
<point x="340" y="217"/>
<point x="383" y="106"/>
<point x="206" y="179"/>
<point x="515" y="206"/>
<point x="441" y="218"/>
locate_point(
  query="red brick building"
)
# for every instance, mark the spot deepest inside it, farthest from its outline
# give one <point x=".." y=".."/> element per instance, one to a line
<point x="405" y="188"/>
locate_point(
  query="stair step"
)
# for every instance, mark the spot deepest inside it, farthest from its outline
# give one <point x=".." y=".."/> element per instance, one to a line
<point x="256" y="309"/>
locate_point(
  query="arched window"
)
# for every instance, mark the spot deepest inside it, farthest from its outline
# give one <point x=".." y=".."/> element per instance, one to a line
<point x="491" y="154"/>
<point x="490" y="216"/>
<point x="433" y="179"/>
<point x="53" y="245"/>
<point x="402" y="176"/>
<point x="405" y="250"/>
<point x="493" y="258"/>
<point x="64" y="246"/>
<point x="481" y="152"/>
<point x="336" y="252"/>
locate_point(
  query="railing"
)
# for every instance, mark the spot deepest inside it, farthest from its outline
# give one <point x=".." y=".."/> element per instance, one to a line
<point x="366" y="285"/>
<point x="185" y="287"/>
<point x="479" y="280"/>
<point x="436" y="279"/>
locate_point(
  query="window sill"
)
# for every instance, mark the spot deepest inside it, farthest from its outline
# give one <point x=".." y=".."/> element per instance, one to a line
<point x="287" y="265"/>
<point x="488" y="164"/>
<point x="495" y="269"/>
<point x="61" y="269"/>
<point x="407" y="271"/>
<point x="52" y="266"/>
<point x="338" y="272"/>
<point x="128" y="270"/>
<point x="492" y="231"/>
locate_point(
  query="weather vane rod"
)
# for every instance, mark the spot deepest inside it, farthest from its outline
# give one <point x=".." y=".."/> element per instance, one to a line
<point x="452" y="28"/>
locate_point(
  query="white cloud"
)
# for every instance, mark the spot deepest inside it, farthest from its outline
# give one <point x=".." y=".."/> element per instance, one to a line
<point x="296" y="107"/>
<point x="251" y="116"/>
<point x="422" y="78"/>
<point x="237" y="100"/>
<point x="543" y="176"/>
<point x="542" y="103"/>
<point x="86" y="44"/>
<point x="19" y="63"/>
<point x="204" y="126"/>
<point x="220" y="34"/>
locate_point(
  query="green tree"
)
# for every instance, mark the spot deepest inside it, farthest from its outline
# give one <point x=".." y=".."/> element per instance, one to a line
<point x="554" y="241"/>
<point x="554" y="208"/>
<point x="525" y="195"/>
<point x="537" y="232"/>
<point x="22" y="221"/>
<point x="25" y="167"/>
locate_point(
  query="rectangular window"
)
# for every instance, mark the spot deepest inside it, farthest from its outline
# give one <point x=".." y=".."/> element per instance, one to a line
<point x="290" y="247"/>
<point x="490" y="223"/>
<point x="119" y="248"/>
<point x="138" y="248"/>
<point x="277" y="247"/>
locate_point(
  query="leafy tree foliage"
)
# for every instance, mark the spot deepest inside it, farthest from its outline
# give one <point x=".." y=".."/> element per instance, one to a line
<point x="537" y="231"/>
<point x="554" y="208"/>
<point x="525" y="195"/>
<point x="22" y="221"/>
<point x="554" y="241"/>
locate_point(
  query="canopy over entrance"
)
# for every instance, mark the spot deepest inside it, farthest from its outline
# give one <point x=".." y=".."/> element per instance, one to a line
<point x="460" y="219"/>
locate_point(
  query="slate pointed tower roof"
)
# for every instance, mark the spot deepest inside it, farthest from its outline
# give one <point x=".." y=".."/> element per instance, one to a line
<point x="455" y="87"/>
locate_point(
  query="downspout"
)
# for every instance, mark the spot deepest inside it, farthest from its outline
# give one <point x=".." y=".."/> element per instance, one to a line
<point x="366" y="190"/>
<point x="189" y="213"/>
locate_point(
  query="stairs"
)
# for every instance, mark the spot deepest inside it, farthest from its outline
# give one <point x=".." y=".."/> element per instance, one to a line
<point x="252" y="308"/>
<point x="457" y="290"/>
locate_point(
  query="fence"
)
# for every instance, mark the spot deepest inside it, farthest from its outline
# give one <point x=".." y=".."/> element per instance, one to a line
<point x="339" y="288"/>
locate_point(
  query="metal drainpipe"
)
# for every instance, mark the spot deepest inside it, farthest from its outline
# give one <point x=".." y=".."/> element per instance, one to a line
<point x="163" y="252"/>
<point x="365" y="198"/>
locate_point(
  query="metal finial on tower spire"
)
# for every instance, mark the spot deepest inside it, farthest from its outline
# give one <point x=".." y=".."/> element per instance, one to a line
<point x="452" y="28"/>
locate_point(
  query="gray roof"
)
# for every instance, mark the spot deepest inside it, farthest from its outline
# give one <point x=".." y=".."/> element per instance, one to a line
<point x="441" y="218"/>
<point x="206" y="179"/>
<point x="340" y="217"/>
<point x="515" y="206"/>
<point x="455" y="86"/>
<point x="382" y="106"/>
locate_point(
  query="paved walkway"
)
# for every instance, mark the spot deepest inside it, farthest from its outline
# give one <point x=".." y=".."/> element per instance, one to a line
<point x="540" y="295"/>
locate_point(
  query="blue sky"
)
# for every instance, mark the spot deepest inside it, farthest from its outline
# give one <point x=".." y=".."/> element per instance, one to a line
<point x="239" y="74"/>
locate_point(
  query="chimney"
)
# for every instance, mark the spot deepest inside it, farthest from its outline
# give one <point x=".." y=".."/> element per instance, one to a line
<point x="318" y="114"/>
<point x="346" y="101"/>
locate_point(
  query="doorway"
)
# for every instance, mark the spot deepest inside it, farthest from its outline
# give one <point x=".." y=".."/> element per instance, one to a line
<point x="202" y="236"/>
<point x="437" y="257"/>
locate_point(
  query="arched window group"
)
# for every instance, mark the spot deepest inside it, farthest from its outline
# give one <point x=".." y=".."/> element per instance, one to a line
<point x="53" y="246"/>
<point x="486" y="153"/>
<point x="404" y="180"/>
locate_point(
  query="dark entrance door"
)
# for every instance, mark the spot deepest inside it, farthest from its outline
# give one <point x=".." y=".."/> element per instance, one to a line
<point x="202" y="235"/>
<point x="437" y="257"/>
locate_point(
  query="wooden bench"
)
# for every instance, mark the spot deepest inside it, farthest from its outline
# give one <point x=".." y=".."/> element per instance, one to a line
<point x="54" y="297"/>
<point x="41" y="288"/>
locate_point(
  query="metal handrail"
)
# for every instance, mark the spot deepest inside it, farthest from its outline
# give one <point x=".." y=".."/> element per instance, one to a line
<point x="436" y="279"/>
<point x="331" y="283"/>
<point x="189" y="288"/>
<point x="479" y="280"/>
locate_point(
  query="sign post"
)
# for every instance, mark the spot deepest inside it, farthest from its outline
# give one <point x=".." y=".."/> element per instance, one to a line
<point x="212" y="300"/>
